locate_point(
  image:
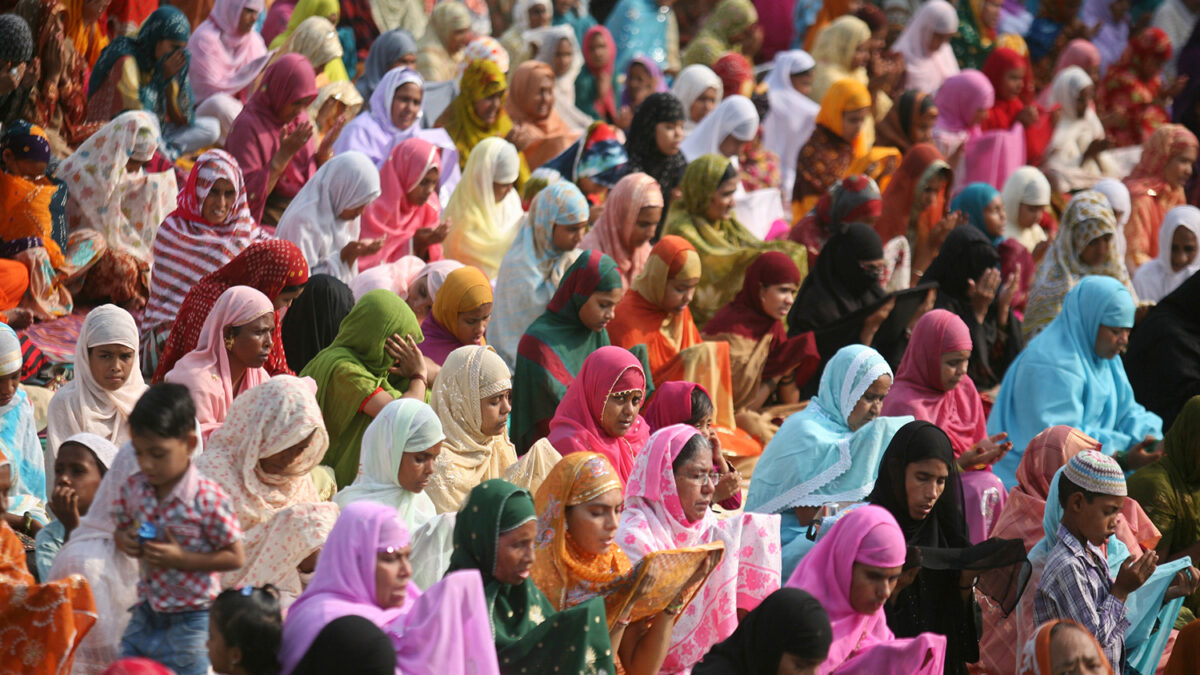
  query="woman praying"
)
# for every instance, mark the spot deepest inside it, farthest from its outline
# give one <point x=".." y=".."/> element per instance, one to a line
<point x="461" y="311"/>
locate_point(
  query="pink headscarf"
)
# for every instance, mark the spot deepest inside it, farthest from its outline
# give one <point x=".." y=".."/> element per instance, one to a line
<point x="255" y="135"/>
<point x="230" y="61"/>
<point x="918" y="387"/>
<point x="205" y="370"/>
<point x="614" y="228"/>
<point x="1078" y="52"/>
<point x="576" y="424"/>
<point x="926" y="70"/>
<point x="391" y="215"/>
<point x="960" y="97"/>
<point x="654" y="520"/>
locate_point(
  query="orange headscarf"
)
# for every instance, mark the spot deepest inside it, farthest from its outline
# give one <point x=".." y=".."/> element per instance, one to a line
<point x="551" y="135"/>
<point x="844" y="96"/>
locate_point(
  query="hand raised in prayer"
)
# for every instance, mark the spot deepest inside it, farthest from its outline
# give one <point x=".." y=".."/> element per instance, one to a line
<point x="945" y="226"/>
<point x="65" y="505"/>
<point x="520" y="136"/>
<point x="986" y="452"/>
<point x="1028" y="116"/>
<point x="872" y="323"/>
<point x="356" y="249"/>
<point x="335" y="129"/>
<point x="290" y="143"/>
<point x="1184" y="584"/>
<point x="174" y="63"/>
<point x="1133" y="574"/>
<point x="1143" y="453"/>
<point x="408" y="360"/>
<point x="425" y="237"/>
<point x="981" y="292"/>
<point x="167" y="554"/>
<point x="1008" y="291"/>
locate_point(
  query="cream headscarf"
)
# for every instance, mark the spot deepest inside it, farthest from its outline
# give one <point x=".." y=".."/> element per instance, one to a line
<point x="1026" y="185"/>
<point x="482" y="229"/>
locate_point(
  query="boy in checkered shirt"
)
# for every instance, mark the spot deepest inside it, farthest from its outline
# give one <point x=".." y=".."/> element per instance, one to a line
<point x="183" y="529"/>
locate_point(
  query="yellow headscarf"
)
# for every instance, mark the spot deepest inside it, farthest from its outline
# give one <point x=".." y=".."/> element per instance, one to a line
<point x="465" y="289"/>
<point x="335" y="70"/>
<point x="844" y="96"/>
<point x="480" y="80"/>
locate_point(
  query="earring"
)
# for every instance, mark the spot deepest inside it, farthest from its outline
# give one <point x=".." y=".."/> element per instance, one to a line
<point x="228" y="343"/>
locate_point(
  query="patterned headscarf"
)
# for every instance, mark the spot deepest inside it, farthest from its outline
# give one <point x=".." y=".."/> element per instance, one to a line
<point x="166" y="23"/>
<point x="481" y="79"/>
<point x="613" y="231"/>
<point x="642" y="147"/>
<point x="1165" y="143"/>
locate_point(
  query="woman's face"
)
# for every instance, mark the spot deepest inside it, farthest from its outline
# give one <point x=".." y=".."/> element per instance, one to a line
<point x="514" y="554"/>
<point x="852" y="123"/>
<point x="494" y="413"/>
<point x="922" y="128"/>
<point x="112" y="364"/>
<point x="539" y="16"/>
<point x="393" y="570"/>
<point x="543" y="98"/>
<point x="593" y="525"/>
<point x="862" y="55"/>
<point x="720" y="206"/>
<point x="932" y="189"/>
<point x="1073" y="651"/>
<point x="668" y="136"/>
<point x="1029" y="215"/>
<point x="731" y="146"/>
<point x="459" y="39"/>
<point x="678" y="294"/>
<point x="488" y="109"/>
<point x="218" y="203"/>
<point x="924" y="482"/>
<point x="1084" y="100"/>
<point x="422" y="191"/>
<point x="351" y="214"/>
<point x="501" y="190"/>
<point x="1097" y="250"/>
<point x="1179" y="168"/>
<point x="406" y="61"/>
<point x="92" y="9"/>
<point x="286" y="297"/>
<point x="564" y="56"/>
<point x="695" y="484"/>
<point x="1183" y="248"/>
<point x="803" y="82"/>
<point x="994" y="218"/>
<point x="418" y="298"/>
<point x="870" y="404"/>
<point x="568" y="237"/>
<point x="640" y="83"/>
<point x="252" y="343"/>
<point x="246" y="21"/>
<point x="989" y="13"/>
<point x="406" y="105"/>
<point x="164" y="47"/>
<point x="777" y="299"/>
<point x="473" y="325"/>
<point x="600" y="309"/>
<point x="75" y="467"/>
<point x="937" y="40"/>
<point x="1014" y="82"/>
<point x="646" y="224"/>
<point x="703" y="105"/>
<point x="620" y="412"/>
<point x="954" y="368"/>
<point x="417" y="467"/>
<point x="871" y="586"/>
<point x="292" y="110"/>
<point x="597" y="52"/>
<point x="280" y="463"/>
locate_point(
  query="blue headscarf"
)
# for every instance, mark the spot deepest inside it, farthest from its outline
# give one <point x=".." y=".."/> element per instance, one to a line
<point x="385" y="51"/>
<point x="1059" y="379"/>
<point x="973" y="201"/>
<point x="165" y="23"/>
<point x="639" y="28"/>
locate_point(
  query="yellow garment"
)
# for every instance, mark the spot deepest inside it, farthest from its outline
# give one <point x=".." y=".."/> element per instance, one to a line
<point x="464" y="290"/>
<point x="481" y="228"/>
<point x="434" y="61"/>
<point x="846" y="95"/>
<point x="834" y="52"/>
<point x="305" y="9"/>
<point x="316" y="39"/>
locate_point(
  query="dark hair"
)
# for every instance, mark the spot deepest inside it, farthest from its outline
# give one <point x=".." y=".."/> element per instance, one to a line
<point x="92" y="453"/>
<point x="165" y="410"/>
<point x="248" y="618"/>
<point x="1067" y="487"/>
<point x="291" y="289"/>
<point x="702" y="406"/>
<point x="694" y="445"/>
<point x="372" y="649"/>
<point x="731" y="172"/>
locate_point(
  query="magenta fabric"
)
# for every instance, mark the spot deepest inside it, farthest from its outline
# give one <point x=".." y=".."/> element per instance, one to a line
<point x="438" y="342"/>
<point x="392" y="216"/>
<point x="778" y="26"/>
<point x="446" y="629"/>
<point x="671" y="404"/>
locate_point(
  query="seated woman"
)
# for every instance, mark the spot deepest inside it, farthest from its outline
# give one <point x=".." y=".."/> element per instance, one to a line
<point x="373" y="360"/>
<point x="977" y="154"/>
<point x="632" y="211"/>
<point x="864" y="544"/>
<point x="262" y="457"/>
<point x="1156" y="185"/>
<point x="485" y="211"/>
<point x="400" y="451"/>
<point x="1026" y="196"/>
<point x="1178" y="239"/>
<point x="233" y="56"/>
<point x="107" y="383"/>
<point x="667" y="507"/>
<point x="1134" y="88"/>
<point x="915" y="206"/>
<point x="393" y="116"/>
<point x="542" y="133"/>
<point x="910" y="122"/>
<point x="229" y="356"/>
<point x="1065" y="642"/>
<point x="149" y="71"/>
<point x="789" y="87"/>
<point x="440" y="51"/>
<point x="653" y="141"/>
<point x="1085" y="245"/>
<point x="532" y="268"/>
<point x="304" y="10"/>
<point x="312" y="321"/>
<point x="827" y="452"/>
<point x="925" y="45"/>
<point x="732" y="124"/>
<point x="209" y="228"/>
<point x="842" y="50"/>
<point x="365" y="571"/>
<point x="761" y="645"/>
<point x="699" y="90"/>
<point x="854" y="199"/>
<point x="324" y="217"/>
<point x="919" y="484"/>
<point x="731" y="27"/>
<point x="1011" y="75"/>
<point x="407" y="212"/>
<point x="80" y="463"/>
<point x="276" y="268"/>
<point x="477" y="112"/>
<point x="497" y="518"/>
<point x="704" y="217"/>
<point x="1074" y="376"/>
<point x="1163" y="358"/>
<point x="461" y="311"/>
<point x="552" y="351"/>
<point x="679" y="402"/>
<point x="1075" y="156"/>
<point x="108" y="169"/>
<point x="770" y="366"/>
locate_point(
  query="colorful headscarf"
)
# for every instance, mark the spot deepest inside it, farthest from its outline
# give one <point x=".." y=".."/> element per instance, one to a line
<point x="480" y="80"/>
<point x="1035" y="655"/>
<point x="597" y="156"/>
<point x="549" y="135"/>
<point x="483" y="228"/>
<point x="166" y="23"/>
<point x="897" y="128"/>
<point x="229" y="60"/>
<point x="391" y="216"/>
<point x="613" y="231"/>
<point x="386" y="50"/>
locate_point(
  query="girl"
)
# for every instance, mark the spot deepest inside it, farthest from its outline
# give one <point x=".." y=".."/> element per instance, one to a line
<point x="789" y="87"/>
<point x="461" y="311"/>
<point x="407" y="212"/>
<point x="78" y="468"/>
<point x="594" y="85"/>
<point x="478" y="110"/>
<point x="244" y="630"/>
<point x="631" y="213"/>
<point x="485" y="210"/>
<point x="234" y="55"/>
<point x="653" y="143"/>
<point x="925" y="46"/>
<point x="440" y="51"/>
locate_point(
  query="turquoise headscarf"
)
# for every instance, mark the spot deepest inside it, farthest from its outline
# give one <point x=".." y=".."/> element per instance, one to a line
<point x="164" y="23"/>
<point x="973" y="201"/>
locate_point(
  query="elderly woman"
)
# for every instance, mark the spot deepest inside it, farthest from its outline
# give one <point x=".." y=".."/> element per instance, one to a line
<point x="1178" y="239"/>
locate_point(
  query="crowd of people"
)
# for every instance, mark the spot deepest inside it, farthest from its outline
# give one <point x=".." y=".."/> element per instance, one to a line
<point x="622" y="336"/>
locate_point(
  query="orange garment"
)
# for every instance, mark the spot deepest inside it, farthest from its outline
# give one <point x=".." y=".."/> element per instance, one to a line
<point x="900" y="217"/>
<point x="25" y="212"/>
<point x="88" y="38"/>
<point x="14" y="281"/>
<point x="830" y="10"/>
<point x="550" y="134"/>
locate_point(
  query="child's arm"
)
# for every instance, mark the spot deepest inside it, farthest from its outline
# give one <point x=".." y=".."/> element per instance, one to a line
<point x="1065" y="596"/>
<point x="170" y="554"/>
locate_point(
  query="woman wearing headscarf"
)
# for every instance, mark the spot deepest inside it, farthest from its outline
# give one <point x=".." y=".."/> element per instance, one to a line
<point x="373" y="359"/>
<point x="531" y="106"/>
<point x="841" y="51"/>
<point x="316" y="39"/>
<point x="228" y="360"/>
<point x="439" y="51"/>
<point x="704" y="217"/>
<point x="734" y="121"/>
<point x="910" y="121"/>
<point x="233" y="55"/>
<point x="829" y="451"/>
<point x="546" y="245"/>
<point x="925" y="46"/>
<point x="558" y="47"/>
<point x="986" y="211"/>
<point x="653" y="142"/>
<point x="1133" y="90"/>
<point x="107" y="346"/>
<point x="484" y="213"/>
<point x="631" y="213"/>
<point x="1079" y="380"/>
<point x="761" y="643"/>
<point x="666" y="507"/>
<point x="1011" y="75"/>
<point x="461" y="310"/>
<point x="407" y="212"/>
<point x="324" y="217"/>
<point x="915" y="204"/>
<point x="1156" y="186"/>
<point x="393" y="49"/>
<point x="1178" y="239"/>
<point x="26" y="491"/>
<point x="699" y="90"/>
<point x="1075" y="156"/>
<point x="311" y="323"/>
<point x="200" y="237"/>
<point x="525" y="626"/>
<point x="644" y="27"/>
<point x="85" y="29"/>
<point x="86" y="458"/>
<point x="478" y="111"/>
<point x="730" y="27"/>
<point x="854" y="199"/>
<point x="329" y="10"/>
<point x="1084" y="246"/>
<point x="976" y="155"/>
<point x="364" y="572"/>
<point x="1062" y="641"/>
<point x="526" y="15"/>
<point x="595" y="83"/>
<point x="261" y="457"/>
<point x="1026" y="196"/>
<point x="272" y="138"/>
<point x="786" y="131"/>
<point x="276" y="268"/>
<point x="978" y="21"/>
<point x="394" y="116"/>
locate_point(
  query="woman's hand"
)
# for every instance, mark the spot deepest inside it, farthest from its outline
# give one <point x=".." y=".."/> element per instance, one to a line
<point x="1008" y="291"/>
<point x="520" y="136"/>
<point x="425" y="237"/>
<point x="357" y="249"/>
<point x="408" y="360"/>
<point x="872" y="323"/>
<point x="174" y="63"/>
<point x="326" y="148"/>
<point x="290" y="143"/>
<point x="982" y="292"/>
<point x="986" y="452"/>
<point x="1143" y="453"/>
<point x="33" y="74"/>
<point x="1028" y="116"/>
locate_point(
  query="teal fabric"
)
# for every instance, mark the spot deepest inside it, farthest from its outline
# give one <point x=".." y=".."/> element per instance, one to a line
<point x="973" y="200"/>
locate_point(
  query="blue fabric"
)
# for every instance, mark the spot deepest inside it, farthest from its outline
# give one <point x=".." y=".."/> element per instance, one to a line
<point x="1058" y="379"/>
<point x="165" y="23"/>
<point x="178" y="640"/>
<point x="48" y="542"/>
<point x="973" y="201"/>
<point x="1041" y="37"/>
<point x="1144" y="608"/>
<point x="639" y="27"/>
<point x="580" y="23"/>
<point x="804" y="16"/>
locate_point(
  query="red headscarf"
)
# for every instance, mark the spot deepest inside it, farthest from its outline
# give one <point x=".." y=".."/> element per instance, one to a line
<point x="391" y="215"/>
<point x="605" y="105"/>
<point x="1003" y="113"/>
<point x="734" y="71"/>
<point x="901" y="193"/>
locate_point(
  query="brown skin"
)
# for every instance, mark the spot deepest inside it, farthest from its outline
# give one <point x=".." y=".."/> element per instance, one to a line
<point x="111" y="365"/>
<point x="77" y="475"/>
<point x="678" y="294"/>
<point x="1096" y="252"/>
<point x="219" y="201"/>
<point x="488" y="109"/>
<point x="251" y="346"/>
<point x="695" y="484"/>
<point x="393" y="570"/>
<point x="703" y="105"/>
<point x="593" y="524"/>
<point x="668" y="136"/>
<point x="1094" y="521"/>
<point x="640" y="84"/>
<point x="852" y="123"/>
<point x="418" y="298"/>
<point x="408" y="362"/>
<point x="417" y="467"/>
<point x="1072" y="650"/>
<point x="514" y="554"/>
<point x="600" y="309"/>
<point x="286" y="298"/>
<point x="494" y="413"/>
<point x="924" y="482"/>
<point x="1179" y="168"/>
<point x="501" y="190"/>
<point x="803" y="82"/>
<point x="246" y="21"/>
<point x="643" y="229"/>
<point x="720" y="206"/>
<point x="28" y="169"/>
<point x="568" y="236"/>
<point x="8" y="387"/>
<point x="543" y="98"/>
<point x="870" y="587"/>
<point x="1183" y="248"/>
<point x="620" y="412"/>
<point x="406" y="105"/>
<point x="538" y="16"/>
<point x="280" y="463"/>
<point x="472" y="325"/>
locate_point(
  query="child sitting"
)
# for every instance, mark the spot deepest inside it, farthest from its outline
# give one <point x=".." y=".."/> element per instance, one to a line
<point x="26" y="512"/>
<point x="244" y="631"/>
<point x="80" y="465"/>
<point x="182" y="527"/>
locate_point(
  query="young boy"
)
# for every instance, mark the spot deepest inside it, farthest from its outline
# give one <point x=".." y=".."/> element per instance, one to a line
<point x="1076" y="583"/>
<point x="182" y="527"/>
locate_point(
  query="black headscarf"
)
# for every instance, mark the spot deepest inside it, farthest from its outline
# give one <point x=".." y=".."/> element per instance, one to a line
<point x="837" y="284"/>
<point x="372" y="649"/>
<point x="312" y="322"/>
<point x="642" y="147"/>
<point x="946" y="525"/>
<point x="1163" y="359"/>
<point x="788" y="621"/>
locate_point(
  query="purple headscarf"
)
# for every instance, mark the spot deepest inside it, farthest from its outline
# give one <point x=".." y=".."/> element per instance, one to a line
<point x="655" y="72"/>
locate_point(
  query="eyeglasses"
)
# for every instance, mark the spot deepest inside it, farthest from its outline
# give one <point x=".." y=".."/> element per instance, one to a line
<point x="702" y="478"/>
<point x="879" y="271"/>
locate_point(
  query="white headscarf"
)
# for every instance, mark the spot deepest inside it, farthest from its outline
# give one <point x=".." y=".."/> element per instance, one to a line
<point x="1073" y="133"/>
<point x="690" y="84"/>
<point x="1026" y="185"/>
<point x="1122" y="206"/>
<point x="403" y="426"/>
<point x="547" y="40"/>
<point x="793" y="116"/>
<point x="735" y="116"/>
<point x="311" y="221"/>
<point x="925" y="70"/>
<point x="10" y="352"/>
<point x="1155" y="279"/>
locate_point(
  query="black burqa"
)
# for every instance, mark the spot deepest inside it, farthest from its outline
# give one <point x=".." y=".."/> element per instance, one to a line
<point x="966" y="255"/>
<point x="1163" y="358"/>
<point x="788" y="621"/>
<point x="933" y="603"/>
<point x="312" y="322"/>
